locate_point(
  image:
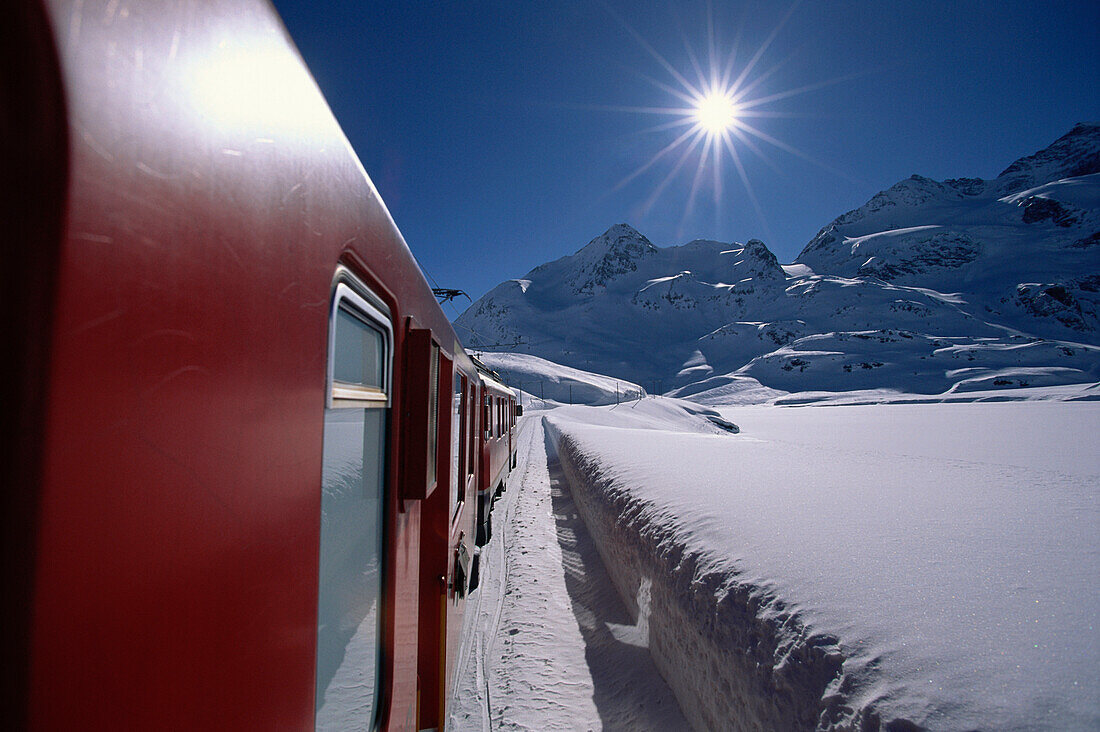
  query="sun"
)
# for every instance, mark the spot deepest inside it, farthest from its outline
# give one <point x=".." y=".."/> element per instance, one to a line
<point x="715" y="116"/>
<point x="716" y="113"/>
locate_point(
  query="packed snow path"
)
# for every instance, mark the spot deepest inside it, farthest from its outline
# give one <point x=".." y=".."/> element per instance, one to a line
<point x="549" y="645"/>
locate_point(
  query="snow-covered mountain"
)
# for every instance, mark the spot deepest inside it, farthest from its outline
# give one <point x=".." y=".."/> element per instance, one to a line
<point x="930" y="286"/>
<point x="1022" y="246"/>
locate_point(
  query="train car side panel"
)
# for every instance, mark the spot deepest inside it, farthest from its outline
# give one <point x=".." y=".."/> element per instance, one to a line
<point x="176" y="582"/>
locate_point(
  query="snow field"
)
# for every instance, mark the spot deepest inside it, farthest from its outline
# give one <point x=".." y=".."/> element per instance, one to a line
<point x="854" y="567"/>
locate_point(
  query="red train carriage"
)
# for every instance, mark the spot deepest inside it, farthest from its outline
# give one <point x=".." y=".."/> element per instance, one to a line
<point x="245" y="439"/>
<point x="498" y="446"/>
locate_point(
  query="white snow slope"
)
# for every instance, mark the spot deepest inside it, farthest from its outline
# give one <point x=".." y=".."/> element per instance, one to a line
<point x="549" y="383"/>
<point x="854" y="567"/>
<point x="930" y="286"/>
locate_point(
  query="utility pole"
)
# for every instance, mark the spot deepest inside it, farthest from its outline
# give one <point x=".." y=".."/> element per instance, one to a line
<point x="616" y="393"/>
<point x="570" y="394"/>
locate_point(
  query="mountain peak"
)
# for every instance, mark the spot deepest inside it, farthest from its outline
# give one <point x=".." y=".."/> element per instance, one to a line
<point x="619" y="238"/>
<point x="623" y="228"/>
<point x="1073" y="154"/>
<point x="842" y="247"/>
<point x="609" y="256"/>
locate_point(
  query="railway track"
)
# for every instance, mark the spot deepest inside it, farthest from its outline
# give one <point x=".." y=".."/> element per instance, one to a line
<point x="483" y="618"/>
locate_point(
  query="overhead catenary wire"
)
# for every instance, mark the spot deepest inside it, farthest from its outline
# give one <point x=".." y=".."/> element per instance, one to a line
<point x="435" y="286"/>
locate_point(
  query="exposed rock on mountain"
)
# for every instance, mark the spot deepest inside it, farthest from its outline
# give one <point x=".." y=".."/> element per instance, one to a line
<point x="608" y="257"/>
<point x="1070" y="156"/>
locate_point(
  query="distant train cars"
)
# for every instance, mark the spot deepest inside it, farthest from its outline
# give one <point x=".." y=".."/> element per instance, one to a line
<point x="498" y="449"/>
<point x="251" y="456"/>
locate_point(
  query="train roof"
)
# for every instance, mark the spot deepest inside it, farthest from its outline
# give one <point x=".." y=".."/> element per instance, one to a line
<point x="491" y="378"/>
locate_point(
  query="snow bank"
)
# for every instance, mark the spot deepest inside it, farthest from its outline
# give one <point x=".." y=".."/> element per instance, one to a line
<point x="727" y="389"/>
<point x="724" y="648"/>
<point x="856" y="567"/>
<point x="657" y="413"/>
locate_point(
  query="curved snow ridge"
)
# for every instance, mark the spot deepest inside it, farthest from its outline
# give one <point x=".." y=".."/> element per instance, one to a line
<point x="736" y="656"/>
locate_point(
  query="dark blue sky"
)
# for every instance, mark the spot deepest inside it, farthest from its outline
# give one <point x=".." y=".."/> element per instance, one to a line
<point x="485" y="125"/>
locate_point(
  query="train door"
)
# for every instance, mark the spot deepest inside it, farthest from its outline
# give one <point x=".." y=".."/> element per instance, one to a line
<point x="512" y="430"/>
<point x="471" y="449"/>
<point x="349" y="643"/>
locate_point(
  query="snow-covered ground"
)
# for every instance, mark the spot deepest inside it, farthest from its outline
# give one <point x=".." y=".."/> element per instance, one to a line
<point x="832" y="567"/>
<point x="548" y="644"/>
<point x="793" y="560"/>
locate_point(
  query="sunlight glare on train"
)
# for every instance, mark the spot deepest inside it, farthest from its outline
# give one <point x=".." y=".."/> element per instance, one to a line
<point x="257" y="86"/>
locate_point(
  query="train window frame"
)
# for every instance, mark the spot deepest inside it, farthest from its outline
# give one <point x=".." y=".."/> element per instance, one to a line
<point x="471" y="448"/>
<point x="487" y="416"/>
<point x="434" y="369"/>
<point x="342" y="394"/>
<point x="351" y="297"/>
<point x="459" y="407"/>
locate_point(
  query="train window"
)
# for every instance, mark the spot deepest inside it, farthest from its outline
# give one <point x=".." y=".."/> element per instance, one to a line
<point x="433" y="413"/>
<point x="458" y="442"/>
<point x="487" y="416"/>
<point x="358" y="348"/>
<point x="471" y="448"/>
<point x="352" y="513"/>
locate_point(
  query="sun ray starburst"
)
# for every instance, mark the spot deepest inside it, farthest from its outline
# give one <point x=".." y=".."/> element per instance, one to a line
<point x="710" y="114"/>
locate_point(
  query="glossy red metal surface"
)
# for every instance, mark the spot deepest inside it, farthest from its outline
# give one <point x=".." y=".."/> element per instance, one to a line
<point x="210" y="199"/>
